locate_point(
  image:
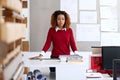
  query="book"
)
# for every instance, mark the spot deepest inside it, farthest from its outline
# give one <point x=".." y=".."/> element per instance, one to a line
<point x="35" y="58"/>
<point x="40" y="58"/>
<point x="72" y="58"/>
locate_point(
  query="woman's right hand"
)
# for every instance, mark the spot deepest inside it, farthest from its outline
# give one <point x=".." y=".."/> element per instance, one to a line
<point x="37" y="57"/>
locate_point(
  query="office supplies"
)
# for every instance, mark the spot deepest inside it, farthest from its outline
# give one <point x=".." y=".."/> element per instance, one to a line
<point x="38" y="75"/>
<point x="93" y="75"/>
<point x="71" y="58"/>
<point x="30" y="76"/>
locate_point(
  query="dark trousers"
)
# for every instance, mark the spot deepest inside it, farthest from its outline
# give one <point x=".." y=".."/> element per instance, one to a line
<point x="52" y="69"/>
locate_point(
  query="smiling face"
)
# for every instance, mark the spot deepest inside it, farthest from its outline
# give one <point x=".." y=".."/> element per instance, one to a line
<point x="60" y="20"/>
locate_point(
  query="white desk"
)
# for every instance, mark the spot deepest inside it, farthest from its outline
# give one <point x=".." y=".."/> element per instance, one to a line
<point x="64" y="70"/>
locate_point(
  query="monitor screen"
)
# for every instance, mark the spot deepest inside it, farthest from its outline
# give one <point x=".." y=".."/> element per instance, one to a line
<point x="116" y="69"/>
<point x="108" y="54"/>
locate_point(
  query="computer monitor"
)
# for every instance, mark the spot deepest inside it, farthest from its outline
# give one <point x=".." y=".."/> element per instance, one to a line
<point x="116" y="69"/>
<point x="109" y="53"/>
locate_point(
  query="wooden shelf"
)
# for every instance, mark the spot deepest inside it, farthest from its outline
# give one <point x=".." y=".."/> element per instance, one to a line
<point x="10" y="56"/>
<point x="15" y="5"/>
<point x="11" y="32"/>
<point x="1" y="20"/>
<point x="11" y="16"/>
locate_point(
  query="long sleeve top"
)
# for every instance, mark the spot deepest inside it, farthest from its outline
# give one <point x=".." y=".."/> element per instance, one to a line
<point x="61" y="41"/>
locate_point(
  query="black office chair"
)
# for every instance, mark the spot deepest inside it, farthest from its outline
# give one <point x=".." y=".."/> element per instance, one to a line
<point x="116" y="69"/>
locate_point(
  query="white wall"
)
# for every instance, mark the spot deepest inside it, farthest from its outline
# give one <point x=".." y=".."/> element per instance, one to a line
<point x="40" y="12"/>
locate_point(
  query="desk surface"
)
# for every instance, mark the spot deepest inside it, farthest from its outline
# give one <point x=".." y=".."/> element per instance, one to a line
<point x="56" y="63"/>
<point x="86" y="56"/>
<point x="46" y="62"/>
<point x="64" y="70"/>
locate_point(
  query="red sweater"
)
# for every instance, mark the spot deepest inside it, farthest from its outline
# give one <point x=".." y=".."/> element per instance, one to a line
<point x="61" y="41"/>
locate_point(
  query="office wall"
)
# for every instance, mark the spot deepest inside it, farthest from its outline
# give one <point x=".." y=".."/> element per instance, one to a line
<point x="118" y="9"/>
<point x="40" y="12"/>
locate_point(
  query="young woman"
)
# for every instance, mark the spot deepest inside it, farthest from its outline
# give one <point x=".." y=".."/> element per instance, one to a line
<point x="60" y="35"/>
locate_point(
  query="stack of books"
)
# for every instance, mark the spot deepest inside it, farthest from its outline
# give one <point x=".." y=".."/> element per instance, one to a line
<point x="72" y="58"/>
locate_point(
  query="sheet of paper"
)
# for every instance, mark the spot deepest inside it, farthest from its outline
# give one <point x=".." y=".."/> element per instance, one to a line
<point x="109" y="25"/>
<point x="88" y="17"/>
<point x="110" y="39"/>
<point x="70" y="6"/>
<point x="108" y="12"/>
<point x="88" y="32"/>
<point x="108" y="2"/>
<point x="87" y="4"/>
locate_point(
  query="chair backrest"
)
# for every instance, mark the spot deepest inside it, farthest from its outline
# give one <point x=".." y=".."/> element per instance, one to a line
<point x="116" y="69"/>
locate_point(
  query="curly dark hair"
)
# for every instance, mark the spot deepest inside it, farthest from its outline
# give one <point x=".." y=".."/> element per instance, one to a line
<point x="54" y="19"/>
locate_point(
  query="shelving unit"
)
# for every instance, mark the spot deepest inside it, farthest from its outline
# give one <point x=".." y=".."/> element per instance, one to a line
<point x="12" y="31"/>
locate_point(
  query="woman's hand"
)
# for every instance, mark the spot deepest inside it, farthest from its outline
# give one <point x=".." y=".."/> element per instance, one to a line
<point x="77" y="53"/>
<point x="40" y="55"/>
